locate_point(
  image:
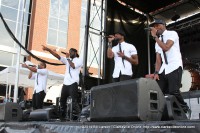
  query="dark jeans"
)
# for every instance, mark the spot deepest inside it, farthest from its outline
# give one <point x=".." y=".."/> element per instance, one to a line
<point x="171" y="83"/>
<point x="69" y="90"/>
<point x="37" y="100"/>
<point x="121" y="78"/>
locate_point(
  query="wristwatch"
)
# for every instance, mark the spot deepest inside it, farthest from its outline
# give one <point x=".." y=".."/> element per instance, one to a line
<point x="110" y="44"/>
<point x="156" y="72"/>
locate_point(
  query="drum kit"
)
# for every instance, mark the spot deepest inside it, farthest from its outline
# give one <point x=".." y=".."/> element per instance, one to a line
<point x="191" y="75"/>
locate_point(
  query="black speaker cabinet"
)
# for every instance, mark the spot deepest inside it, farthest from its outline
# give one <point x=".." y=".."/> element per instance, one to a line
<point x="173" y="110"/>
<point x="131" y="100"/>
<point x="10" y="112"/>
<point x="43" y="114"/>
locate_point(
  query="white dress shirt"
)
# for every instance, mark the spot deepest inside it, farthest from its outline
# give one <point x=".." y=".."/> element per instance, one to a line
<point x="174" y="57"/>
<point x="40" y="80"/>
<point x="72" y="76"/>
<point x="126" y="68"/>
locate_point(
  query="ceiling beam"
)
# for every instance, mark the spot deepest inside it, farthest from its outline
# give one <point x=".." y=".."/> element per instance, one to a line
<point x="161" y="10"/>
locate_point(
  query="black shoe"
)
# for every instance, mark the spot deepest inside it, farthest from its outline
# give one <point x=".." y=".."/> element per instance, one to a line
<point x="63" y="119"/>
<point x="185" y="108"/>
<point x="75" y="117"/>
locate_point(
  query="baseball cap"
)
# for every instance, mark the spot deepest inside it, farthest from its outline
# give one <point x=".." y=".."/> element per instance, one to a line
<point x="121" y="32"/>
<point x="157" y="21"/>
<point x="73" y="49"/>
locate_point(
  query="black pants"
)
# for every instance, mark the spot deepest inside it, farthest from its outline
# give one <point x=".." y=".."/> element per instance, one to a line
<point x="121" y="78"/>
<point x="37" y="100"/>
<point x="171" y="83"/>
<point x="69" y="90"/>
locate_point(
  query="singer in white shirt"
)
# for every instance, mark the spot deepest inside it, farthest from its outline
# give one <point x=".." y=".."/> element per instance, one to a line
<point x="124" y="54"/>
<point x="40" y="75"/>
<point x="168" y="68"/>
<point x="70" y="86"/>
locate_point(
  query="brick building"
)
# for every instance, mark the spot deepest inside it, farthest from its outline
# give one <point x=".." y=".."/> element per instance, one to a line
<point x="58" y="24"/>
<point x="39" y="31"/>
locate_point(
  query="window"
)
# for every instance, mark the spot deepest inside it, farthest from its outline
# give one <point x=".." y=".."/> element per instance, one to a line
<point x="12" y="11"/>
<point x="58" y="23"/>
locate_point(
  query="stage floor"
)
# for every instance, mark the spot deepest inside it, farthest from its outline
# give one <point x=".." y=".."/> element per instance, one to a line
<point x="189" y="126"/>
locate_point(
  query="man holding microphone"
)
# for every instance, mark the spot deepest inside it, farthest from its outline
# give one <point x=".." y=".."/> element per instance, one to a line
<point x="40" y="75"/>
<point x="124" y="54"/>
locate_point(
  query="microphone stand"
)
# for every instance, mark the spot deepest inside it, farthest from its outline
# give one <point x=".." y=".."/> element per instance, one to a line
<point x="148" y="45"/>
<point x="87" y="26"/>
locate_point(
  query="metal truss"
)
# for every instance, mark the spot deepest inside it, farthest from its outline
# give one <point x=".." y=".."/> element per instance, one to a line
<point x="95" y="36"/>
<point x="187" y="24"/>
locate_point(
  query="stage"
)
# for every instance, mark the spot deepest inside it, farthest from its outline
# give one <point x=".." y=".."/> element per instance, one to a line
<point x="189" y="126"/>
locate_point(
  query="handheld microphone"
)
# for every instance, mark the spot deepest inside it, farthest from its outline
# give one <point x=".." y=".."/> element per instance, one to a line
<point x="32" y="65"/>
<point x="147" y="29"/>
<point x="115" y="39"/>
<point x="107" y="36"/>
<point x="63" y="52"/>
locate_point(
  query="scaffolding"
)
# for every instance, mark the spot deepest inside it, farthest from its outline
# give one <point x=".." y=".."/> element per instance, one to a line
<point x="95" y="30"/>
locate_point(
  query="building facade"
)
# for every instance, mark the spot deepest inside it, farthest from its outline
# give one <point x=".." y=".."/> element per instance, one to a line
<point x="58" y="24"/>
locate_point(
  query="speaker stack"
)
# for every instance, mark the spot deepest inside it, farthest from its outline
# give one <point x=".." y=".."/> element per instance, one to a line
<point x="131" y="100"/>
<point x="10" y="112"/>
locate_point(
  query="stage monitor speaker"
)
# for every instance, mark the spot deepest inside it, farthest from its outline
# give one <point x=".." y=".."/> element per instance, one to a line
<point x="46" y="114"/>
<point x="173" y="110"/>
<point x="10" y="112"/>
<point x="132" y="100"/>
<point x="26" y="114"/>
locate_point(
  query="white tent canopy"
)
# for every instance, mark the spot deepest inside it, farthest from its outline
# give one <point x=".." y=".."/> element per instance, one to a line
<point x="7" y="76"/>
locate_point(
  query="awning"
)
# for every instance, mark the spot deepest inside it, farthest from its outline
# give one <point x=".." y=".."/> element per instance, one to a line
<point x="7" y="76"/>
